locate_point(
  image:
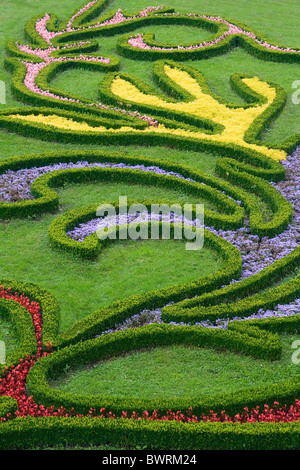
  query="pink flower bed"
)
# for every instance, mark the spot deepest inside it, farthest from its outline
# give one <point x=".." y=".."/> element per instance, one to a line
<point x="138" y="40"/>
<point x="33" y="69"/>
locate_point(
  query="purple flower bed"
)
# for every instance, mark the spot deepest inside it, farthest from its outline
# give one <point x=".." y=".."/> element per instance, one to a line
<point x="83" y="230"/>
<point x="256" y="253"/>
<point x="15" y="185"/>
<point x="148" y="317"/>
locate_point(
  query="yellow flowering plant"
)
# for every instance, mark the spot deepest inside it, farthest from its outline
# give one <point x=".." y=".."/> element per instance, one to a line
<point x="231" y="122"/>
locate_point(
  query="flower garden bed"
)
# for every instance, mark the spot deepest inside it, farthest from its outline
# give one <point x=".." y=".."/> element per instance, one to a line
<point x="243" y="303"/>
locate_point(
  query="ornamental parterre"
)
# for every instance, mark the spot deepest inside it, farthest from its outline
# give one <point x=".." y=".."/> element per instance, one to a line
<point x="241" y="307"/>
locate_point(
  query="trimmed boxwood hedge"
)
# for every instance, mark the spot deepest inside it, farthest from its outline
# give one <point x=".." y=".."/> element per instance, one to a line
<point x="92" y="244"/>
<point x="8" y="405"/>
<point x="119" y="311"/>
<point x="238" y="338"/>
<point x="174" y="90"/>
<point x="47" y="200"/>
<point x="245" y="297"/>
<point x="208" y="297"/>
<point x="91" y="115"/>
<point x="44" y="132"/>
<point x="283" y="294"/>
<point x="231" y="218"/>
<point x="163" y="16"/>
<point x="30" y="432"/>
<point x="230" y="42"/>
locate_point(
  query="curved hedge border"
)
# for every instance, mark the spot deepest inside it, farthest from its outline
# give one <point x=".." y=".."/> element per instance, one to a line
<point x="119" y="311"/>
<point x="284" y="293"/>
<point x="167" y="16"/>
<point x="186" y="121"/>
<point x="153" y="18"/>
<point x="90" y="247"/>
<point x="273" y="197"/>
<point x="174" y="90"/>
<point x="52" y="158"/>
<point x="243" y="298"/>
<point x="232" y="216"/>
<point x="227" y="44"/>
<point x="281" y="207"/>
<point x="238" y="338"/>
<point x="22" y="93"/>
<point x="47" y="199"/>
<point x="211" y="299"/>
<point x="135" y="136"/>
<point x="212" y="189"/>
<point x="258" y="165"/>
<point x="271" y="274"/>
<point x="164" y="15"/>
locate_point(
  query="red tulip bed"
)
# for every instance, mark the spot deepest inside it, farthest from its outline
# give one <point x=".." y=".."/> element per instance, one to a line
<point x="251" y="224"/>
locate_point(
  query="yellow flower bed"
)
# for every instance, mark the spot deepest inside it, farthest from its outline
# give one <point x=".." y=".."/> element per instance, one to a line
<point x="60" y="122"/>
<point x="236" y="121"/>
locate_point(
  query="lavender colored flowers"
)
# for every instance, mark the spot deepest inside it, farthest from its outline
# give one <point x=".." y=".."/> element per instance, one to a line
<point x="256" y="253"/>
<point x="15" y="185"/>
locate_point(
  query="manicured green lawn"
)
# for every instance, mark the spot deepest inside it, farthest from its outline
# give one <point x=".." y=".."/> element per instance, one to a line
<point x="178" y="372"/>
